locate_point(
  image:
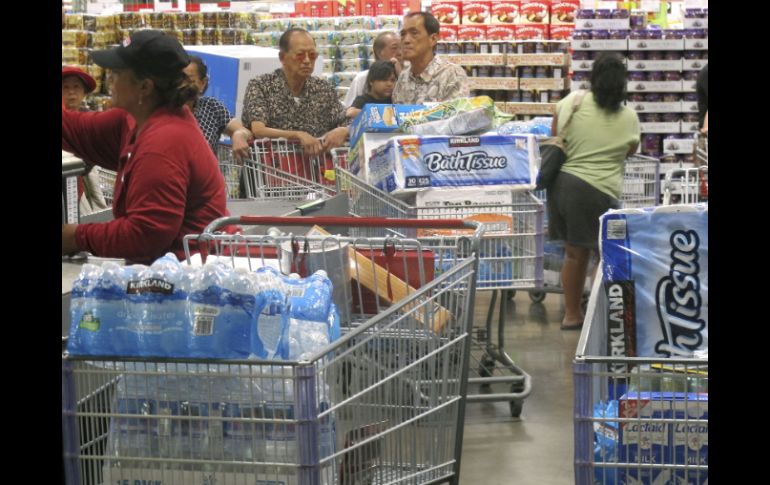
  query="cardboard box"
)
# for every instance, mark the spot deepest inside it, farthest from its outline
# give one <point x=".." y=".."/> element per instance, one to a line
<point x="644" y="107"/>
<point x="532" y="31"/>
<point x="501" y="32"/>
<point x="447" y="12"/>
<point x="696" y="23"/>
<point x="657" y="44"/>
<point x="696" y="44"/>
<point x="662" y="127"/>
<point x="232" y="67"/>
<point x="655" y="86"/>
<point x="563" y="12"/>
<point x="694" y="64"/>
<point x="380" y="118"/>
<point x="678" y="145"/>
<point x="600" y="45"/>
<point x="654" y="65"/>
<point x="690" y="441"/>
<point x="404" y="7"/>
<point x="504" y="12"/>
<point x="369" y="7"/>
<point x="689" y="106"/>
<point x="472" y="32"/>
<point x="448" y="33"/>
<point x="476" y="13"/>
<point x="561" y="31"/>
<point x="361" y="152"/>
<point x="602" y="24"/>
<point x="534" y="12"/>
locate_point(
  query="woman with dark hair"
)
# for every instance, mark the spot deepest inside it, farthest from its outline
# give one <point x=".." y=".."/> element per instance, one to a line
<point x="601" y="134"/>
<point x="212" y="115"/>
<point x="168" y="181"/>
<point x="379" y="87"/>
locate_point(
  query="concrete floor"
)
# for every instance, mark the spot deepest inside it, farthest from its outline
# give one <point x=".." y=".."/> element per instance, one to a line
<point x="537" y="448"/>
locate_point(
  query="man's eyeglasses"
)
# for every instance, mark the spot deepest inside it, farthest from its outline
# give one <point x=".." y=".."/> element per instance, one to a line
<point x="300" y="56"/>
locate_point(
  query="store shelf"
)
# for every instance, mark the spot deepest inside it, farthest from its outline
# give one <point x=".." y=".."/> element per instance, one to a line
<point x="694" y="64"/>
<point x="602" y="24"/>
<point x="600" y="45"/>
<point x="643" y="107"/>
<point x="547" y="109"/>
<point x="688" y="86"/>
<point x="696" y="44"/>
<point x="675" y="127"/>
<point x="656" y="44"/>
<point x="678" y="146"/>
<point x="476" y="59"/>
<point x="689" y="127"/>
<point x="654" y="65"/>
<point x="541" y="84"/>
<point x="555" y="59"/>
<point x="655" y="86"/>
<point x="696" y="23"/>
<point x="689" y="107"/>
<point x="494" y="83"/>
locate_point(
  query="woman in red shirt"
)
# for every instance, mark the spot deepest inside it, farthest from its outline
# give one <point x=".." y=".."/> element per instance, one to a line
<point x="168" y="183"/>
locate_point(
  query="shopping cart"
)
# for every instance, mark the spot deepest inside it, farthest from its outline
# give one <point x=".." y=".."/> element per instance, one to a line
<point x="231" y="170"/>
<point x="637" y="420"/>
<point x="382" y="404"/>
<point x="686" y="185"/>
<point x="510" y="258"/>
<point x="702" y="149"/>
<point x="106" y="182"/>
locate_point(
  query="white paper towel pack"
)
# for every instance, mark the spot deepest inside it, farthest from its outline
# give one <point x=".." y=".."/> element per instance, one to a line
<point x="412" y="163"/>
<point x="655" y="269"/>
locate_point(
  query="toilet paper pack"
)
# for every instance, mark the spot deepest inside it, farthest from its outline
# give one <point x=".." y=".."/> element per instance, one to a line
<point x="412" y="163"/>
<point x="655" y="269"/>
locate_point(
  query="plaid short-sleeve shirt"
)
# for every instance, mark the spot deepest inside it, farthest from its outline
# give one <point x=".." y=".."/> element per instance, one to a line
<point x="440" y="81"/>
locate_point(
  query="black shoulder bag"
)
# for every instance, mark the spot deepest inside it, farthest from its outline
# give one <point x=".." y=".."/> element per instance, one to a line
<point x="553" y="153"/>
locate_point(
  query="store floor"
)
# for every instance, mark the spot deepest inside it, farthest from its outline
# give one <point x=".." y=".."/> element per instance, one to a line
<point x="537" y="448"/>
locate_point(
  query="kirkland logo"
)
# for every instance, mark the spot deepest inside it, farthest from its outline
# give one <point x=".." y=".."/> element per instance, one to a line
<point x="151" y="285"/>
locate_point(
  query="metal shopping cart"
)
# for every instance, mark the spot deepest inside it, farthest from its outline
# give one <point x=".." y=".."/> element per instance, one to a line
<point x="278" y="168"/>
<point x="702" y="149"/>
<point x="686" y="185"/>
<point x="637" y="420"/>
<point x="510" y="258"/>
<point x="106" y="182"/>
<point x="382" y="404"/>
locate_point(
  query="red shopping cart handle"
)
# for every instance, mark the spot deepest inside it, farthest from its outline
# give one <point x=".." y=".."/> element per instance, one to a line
<point x="384" y="222"/>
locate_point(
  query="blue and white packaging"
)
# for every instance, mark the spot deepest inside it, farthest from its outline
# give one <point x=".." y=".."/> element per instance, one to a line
<point x="380" y="118"/>
<point x="412" y="163"/>
<point x="680" y="442"/>
<point x="655" y="269"/>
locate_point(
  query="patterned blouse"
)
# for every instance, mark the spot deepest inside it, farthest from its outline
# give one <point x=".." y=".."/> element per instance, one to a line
<point x="269" y="100"/>
<point x="440" y="81"/>
<point x="213" y="116"/>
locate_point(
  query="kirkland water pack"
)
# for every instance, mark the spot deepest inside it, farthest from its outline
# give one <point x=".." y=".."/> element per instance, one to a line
<point x="221" y="312"/>
<point x="307" y="327"/>
<point x="410" y="163"/>
<point x="157" y="310"/>
<point x="535" y="126"/>
<point x="99" y="306"/>
<point x="655" y="268"/>
<point x="271" y="305"/>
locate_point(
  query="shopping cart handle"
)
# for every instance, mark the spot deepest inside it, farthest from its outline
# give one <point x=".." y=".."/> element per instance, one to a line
<point x="384" y="222"/>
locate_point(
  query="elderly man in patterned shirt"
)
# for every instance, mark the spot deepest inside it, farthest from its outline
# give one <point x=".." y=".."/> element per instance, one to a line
<point x="290" y="103"/>
<point x="428" y="78"/>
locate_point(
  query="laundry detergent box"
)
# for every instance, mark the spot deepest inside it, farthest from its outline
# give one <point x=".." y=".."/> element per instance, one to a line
<point x="408" y="164"/>
<point x="380" y="118"/>
<point x="655" y="270"/>
<point x="647" y="439"/>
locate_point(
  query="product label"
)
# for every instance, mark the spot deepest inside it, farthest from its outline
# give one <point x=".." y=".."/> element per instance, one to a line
<point x="534" y="12"/>
<point x="529" y="31"/>
<point x="563" y="12"/>
<point x="501" y="32"/>
<point x="472" y="32"/>
<point x="447" y="12"/>
<point x="151" y="285"/>
<point x="504" y="12"/>
<point x="448" y="32"/>
<point x="561" y="32"/>
<point x="89" y="322"/>
<point x="476" y="13"/>
<point x="678" y="298"/>
<point x="621" y="319"/>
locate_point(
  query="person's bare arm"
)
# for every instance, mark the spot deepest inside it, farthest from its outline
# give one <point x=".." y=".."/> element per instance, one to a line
<point x="240" y="136"/>
<point x="633" y="149"/>
<point x="554" y="125"/>
<point x="335" y="138"/>
<point x="352" y="112"/>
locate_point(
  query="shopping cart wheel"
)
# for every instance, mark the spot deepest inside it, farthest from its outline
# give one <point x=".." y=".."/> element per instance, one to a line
<point x="510" y="294"/>
<point x="537" y="296"/>
<point x="517" y="405"/>
<point x="486" y="366"/>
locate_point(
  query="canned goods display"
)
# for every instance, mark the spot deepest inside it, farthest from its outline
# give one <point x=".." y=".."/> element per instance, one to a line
<point x="527" y="97"/>
<point x="693" y="55"/>
<point x="527" y="72"/>
<point x="653" y="97"/>
<point x="651" y="144"/>
<point x="671" y="117"/>
<point x="691" y="75"/>
<point x="619" y="34"/>
<point x="514" y="96"/>
<point x="541" y="72"/>
<point x="690" y="97"/>
<point x="671" y="97"/>
<point x="637" y="76"/>
<point x="655" y="76"/>
<point x="655" y="56"/>
<point x="673" y="34"/>
<point x="603" y="14"/>
<point x="581" y="35"/>
<point x="637" y="55"/>
<point x="654" y="34"/>
<point x="600" y="34"/>
<point x="585" y="13"/>
<point x="672" y="55"/>
<point x="673" y="76"/>
<point x="620" y="14"/>
<point x="636" y="97"/>
<point x="581" y="56"/>
<point x="650" y="118"/>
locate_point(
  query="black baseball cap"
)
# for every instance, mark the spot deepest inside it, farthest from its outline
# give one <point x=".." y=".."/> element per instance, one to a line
<point x="145" y="51"/>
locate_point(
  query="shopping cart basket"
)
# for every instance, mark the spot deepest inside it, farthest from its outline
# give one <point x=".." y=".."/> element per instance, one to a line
<point x="106" y="182"/>
<point x="637" y="420"/>
<point x="277" y="168"/>
<point x="382" y="404"/>
<point x="702" y="149"/>
<point x="686" y="185"/>
<point x="510" y="258"/>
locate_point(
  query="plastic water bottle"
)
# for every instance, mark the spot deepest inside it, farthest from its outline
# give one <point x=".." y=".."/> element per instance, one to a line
<point x="280" y="437"/>
<point x="243" y="441"/>
<point x="203" y="307"/>
<point x="309" y="303"/>
<point x="270" y="323"/>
